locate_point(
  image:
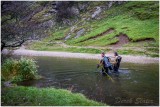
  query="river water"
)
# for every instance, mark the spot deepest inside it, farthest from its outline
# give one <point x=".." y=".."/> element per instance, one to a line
<point x="135" y="84"/>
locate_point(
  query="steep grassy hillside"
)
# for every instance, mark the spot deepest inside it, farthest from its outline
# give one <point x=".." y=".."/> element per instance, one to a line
<point x="137" y="20"/>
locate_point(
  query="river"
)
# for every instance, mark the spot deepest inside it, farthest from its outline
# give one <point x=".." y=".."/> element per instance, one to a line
<point x="135" y="84"/>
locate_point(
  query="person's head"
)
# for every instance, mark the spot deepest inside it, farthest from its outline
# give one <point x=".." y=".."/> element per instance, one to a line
<point x="115" y="54"/>
<point x="102" y="54"/>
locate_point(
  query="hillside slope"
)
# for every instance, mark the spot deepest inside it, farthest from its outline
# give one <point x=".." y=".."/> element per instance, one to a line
<point x="129" y="28"/>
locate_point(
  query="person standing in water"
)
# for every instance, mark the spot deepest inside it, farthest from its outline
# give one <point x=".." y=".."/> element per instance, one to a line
<point x="105" y="62"/>
<point x="116" y="63"/>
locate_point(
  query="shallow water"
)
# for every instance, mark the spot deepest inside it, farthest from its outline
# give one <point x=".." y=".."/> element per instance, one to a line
<point x="136" y="84"/>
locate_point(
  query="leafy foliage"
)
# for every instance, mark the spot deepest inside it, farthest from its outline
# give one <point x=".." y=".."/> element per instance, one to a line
<point x="19" y="70"/>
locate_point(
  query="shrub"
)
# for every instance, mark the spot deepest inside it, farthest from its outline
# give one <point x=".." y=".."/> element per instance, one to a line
<point x="19" y="70"/>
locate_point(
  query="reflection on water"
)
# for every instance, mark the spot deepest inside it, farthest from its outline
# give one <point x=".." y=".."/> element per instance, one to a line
<point x="136" y="84"/>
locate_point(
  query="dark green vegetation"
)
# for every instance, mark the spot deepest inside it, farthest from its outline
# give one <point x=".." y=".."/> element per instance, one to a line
<point x="30" y="96"/>
<point x="26" y="69"/>
<point x="137" y="19"/>
<point x="19" y="70"/>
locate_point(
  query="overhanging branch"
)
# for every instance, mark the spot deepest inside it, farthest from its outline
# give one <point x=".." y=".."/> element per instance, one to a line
<point x="17" y="44"/>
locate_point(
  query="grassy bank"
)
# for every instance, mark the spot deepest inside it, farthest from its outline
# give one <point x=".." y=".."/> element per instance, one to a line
<point x="139" y="20"/>
<point x="31" y="96"/>
<point x="141" y="49"/>
<point x="14" y="71"/>
<point x="40" y="46"/>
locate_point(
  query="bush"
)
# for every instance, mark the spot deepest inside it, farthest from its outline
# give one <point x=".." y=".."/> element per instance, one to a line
<point x="19" y="70"/>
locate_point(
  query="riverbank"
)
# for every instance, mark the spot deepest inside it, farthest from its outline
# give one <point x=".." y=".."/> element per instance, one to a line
<point x="125" y="58"/>
<point x="32" y="96"/>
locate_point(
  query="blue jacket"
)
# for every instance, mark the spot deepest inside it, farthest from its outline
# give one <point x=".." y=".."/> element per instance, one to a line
<point x="106" y="62"/>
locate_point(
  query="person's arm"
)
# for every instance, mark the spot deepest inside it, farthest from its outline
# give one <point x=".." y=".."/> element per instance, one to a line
<point x="112" y="61"/>
<point x="116" y="61"/>
<point x="100" y="63"/>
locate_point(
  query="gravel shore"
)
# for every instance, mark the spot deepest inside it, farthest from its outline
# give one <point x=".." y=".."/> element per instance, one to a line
<point x="125" y="58"/>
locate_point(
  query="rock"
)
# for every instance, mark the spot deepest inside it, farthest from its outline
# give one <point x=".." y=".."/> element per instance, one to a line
<point x="110" y="4"/>
<point x="121" y="2"/>
<point x="79" y="33"/>
<point x="75" y="11"/>
<point x="103" y="7"/>
<point x="33" y="36"/>
<point x="88" y="19"/>
<point x="84" y="23"/>
<point x="47" y="15"/>
<point x="97" y="12"/>
<point x="66" y="21"/>
<point x="9" y="84"/>
<point x="83" y="18"/>
<point x="82" y="7"/>
<point x="52" y="11"/>
<point x="50" y="23"/>
<point x="67" y="37"/>
<point x="47" y="24"/>
<point x="72" y="28"/>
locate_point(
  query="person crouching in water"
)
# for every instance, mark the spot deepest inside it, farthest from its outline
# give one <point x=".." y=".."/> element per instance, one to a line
<point x="116" y="62"/>
<point x="105" y="63"/>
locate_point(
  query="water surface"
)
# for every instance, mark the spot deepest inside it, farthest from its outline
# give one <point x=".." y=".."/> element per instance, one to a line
<point x="136" y="84"/>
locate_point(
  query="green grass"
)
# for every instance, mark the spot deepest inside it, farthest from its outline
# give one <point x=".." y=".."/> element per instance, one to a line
<point x="132" y="52"/>
<point x="135" y="29"/>
<point x="31" y="96"/>
<point x="101" y="41"/>
<point x="139" y="20"/>
<point x="149" y="52"/>
<point x="148" y="48"/>
<point x="40" y="16"/>
<point x="136" y="23"/>
<point x="57" y="35"/>
<point x="143" y="10"/>
<point x="53" y="47"/>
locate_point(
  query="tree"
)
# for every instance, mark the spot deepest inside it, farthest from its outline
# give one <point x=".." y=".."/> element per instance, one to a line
<point x="16" y="24"/>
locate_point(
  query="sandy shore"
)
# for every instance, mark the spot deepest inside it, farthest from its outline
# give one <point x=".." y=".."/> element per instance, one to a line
<point x="125" y="58"/>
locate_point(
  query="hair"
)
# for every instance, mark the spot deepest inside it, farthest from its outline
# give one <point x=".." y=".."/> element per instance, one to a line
<point x="103" y="53"/>
<point x="115" y="53"/>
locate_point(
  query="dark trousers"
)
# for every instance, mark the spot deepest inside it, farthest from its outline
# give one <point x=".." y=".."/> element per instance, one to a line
<point x="116" y="67"/>
<point x="105" y="70"/>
